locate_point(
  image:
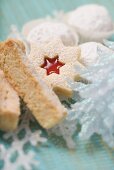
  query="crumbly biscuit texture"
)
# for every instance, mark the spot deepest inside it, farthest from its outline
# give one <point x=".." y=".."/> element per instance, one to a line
<point x="9" y="105"/>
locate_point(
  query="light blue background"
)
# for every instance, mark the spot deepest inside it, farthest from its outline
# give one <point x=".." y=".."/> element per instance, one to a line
<point x="20" y="11"/>
<point x="94" y="155"/>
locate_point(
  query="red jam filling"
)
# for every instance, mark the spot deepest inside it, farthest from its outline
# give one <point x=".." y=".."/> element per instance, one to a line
<point x="52" y="65"/>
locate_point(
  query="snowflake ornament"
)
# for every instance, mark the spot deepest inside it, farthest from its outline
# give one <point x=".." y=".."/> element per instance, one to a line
<point x="96" y="109"/>
<point x="69" y="127"/>
<point x="55" y="63"/>
<point x="66" y="129"/>
<point x="15" y="155"/>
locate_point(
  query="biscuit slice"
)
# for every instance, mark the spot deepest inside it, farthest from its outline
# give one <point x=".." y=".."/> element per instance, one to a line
<point x="40" y="99"/>
<point x="9" y="105"/>
<point x="56" y="63"/>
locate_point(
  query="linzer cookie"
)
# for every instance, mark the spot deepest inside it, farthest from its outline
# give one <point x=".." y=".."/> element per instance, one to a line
<point x="55" y="63"/>
<point x="9" y="105"/>
<point x="40" y="99"/>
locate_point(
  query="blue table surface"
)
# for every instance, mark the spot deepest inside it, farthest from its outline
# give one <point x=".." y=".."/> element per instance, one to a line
<point x="94" y="155"/>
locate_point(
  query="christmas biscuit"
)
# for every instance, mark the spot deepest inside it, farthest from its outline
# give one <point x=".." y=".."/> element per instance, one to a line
<point x="56" y="64"/>
<point x="42" y="30"/>
<point x="92" y="22"/>
<point x="9" y="105"/>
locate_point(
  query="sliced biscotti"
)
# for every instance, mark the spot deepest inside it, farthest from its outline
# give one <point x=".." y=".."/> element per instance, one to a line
<point x="9" y="105"/>
<point x="40" y="99"/>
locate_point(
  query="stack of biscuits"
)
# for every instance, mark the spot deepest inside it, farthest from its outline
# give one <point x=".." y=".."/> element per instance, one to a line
<point x="40" y="75"/>
<point x="38" y="78"/>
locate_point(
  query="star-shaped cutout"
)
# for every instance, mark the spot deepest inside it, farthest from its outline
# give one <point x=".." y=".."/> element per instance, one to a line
<point x="68" y="56"/>
<point x="52" y="65"/>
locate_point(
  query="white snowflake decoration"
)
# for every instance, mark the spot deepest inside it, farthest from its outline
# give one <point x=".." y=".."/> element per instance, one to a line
<point x="16" y="150"/>
<point x="66" y="129"/>
<point x="96" y="111"/>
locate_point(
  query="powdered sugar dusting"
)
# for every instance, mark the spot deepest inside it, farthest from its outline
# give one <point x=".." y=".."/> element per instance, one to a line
<point x="92" y="22"/>
<point x="47" y="30"/>
<point x="91" y="17"/>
